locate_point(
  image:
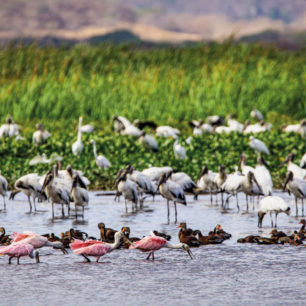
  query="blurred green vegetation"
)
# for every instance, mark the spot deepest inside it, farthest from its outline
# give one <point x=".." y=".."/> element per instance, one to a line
<point x="209" y="149"/>
<point x="166" y="84"/>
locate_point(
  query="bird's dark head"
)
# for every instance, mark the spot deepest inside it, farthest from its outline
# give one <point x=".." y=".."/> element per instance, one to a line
<point x="302" y="221"/>
<point x="162" y="179"/>
<point x="261" y="215"/>
<point x="69" y="170"/>
<point x="289" y="178"/>
<point x="182" y="226"/>
<point x="101" y="225"/>
<point x="48" y="179"/>
<point x="204" y="171"/>
<point x="262" y="161"/>
<point x="9" y="119"/>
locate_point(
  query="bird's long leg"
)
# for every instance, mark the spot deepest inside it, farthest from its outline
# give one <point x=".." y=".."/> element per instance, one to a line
<point x="30" y="203"/>
<point x="4" y="204"/>
<point x="18" y="260"/>
<point x="125" y="205"/>
<point x="271" y="219"/>
<point x="302" y="207"/>
<point x="211" y="199"/>
<point x="52" y="210"/>
<point x="296" y="207"/>
<point x="98" y="258"/>
<point x="76" y="211"/>
<point x="168" y="211"/>
<point x="222" y="200"/>
<point x="86" y="258"/>
<point x="34" y="203"/>
<point x="10" y="259"/>
<point x="175" y="211"/>
<point x="247" y="201"/>
<point x="68" y="208"/>
<point x="237" y="201"/>
<point x="83" y="211"/>
<point x="148" y="257"/>
<point x="275" y="225"/>
<point x="63" y="213"/>
<point x="153" y="256"/>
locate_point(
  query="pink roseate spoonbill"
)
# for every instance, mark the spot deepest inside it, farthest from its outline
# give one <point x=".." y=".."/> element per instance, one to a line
<point x="36" y="241"/>
<point x="154" y="243"/>
<point x="18" y="250"/>
<point x="96" y="248"/>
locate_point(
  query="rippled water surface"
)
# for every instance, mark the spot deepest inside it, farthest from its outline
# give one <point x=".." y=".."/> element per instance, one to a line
<point x="229" y="273"/>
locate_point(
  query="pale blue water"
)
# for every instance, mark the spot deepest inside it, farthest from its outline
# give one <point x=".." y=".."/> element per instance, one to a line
<point x="227" y="274"/>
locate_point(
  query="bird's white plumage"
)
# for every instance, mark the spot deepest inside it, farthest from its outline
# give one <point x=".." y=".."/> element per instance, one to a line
<point x="258" y="145"/>
<point x="256" y="114"/>
<point x="77" y="147"/>
<point x="154" y="173"/>
<point x="88" y="128"/>
<point x="297" y="171"/>
<point x="101" y="161"/>
<point x="149" y="141"/>
<point x="179" y="150"/>
<point x="273" y="204"/>
<point x="167" y="131"/>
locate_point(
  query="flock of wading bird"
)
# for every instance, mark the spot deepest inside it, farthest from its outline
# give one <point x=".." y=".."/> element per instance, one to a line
<point x="70" y="186"/>
<point x="26" y="244"/>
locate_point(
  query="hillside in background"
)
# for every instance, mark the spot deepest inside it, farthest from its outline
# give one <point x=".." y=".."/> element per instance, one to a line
<point x="164" y="21"/>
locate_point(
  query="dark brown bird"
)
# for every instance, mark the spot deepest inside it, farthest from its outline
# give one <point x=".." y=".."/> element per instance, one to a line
<point x="219" y="231"/>
<point x="127" y="239"/>
<point x="210" y="239"/>
<point x="302" y="229"/>
<point x="106" y="234"/>
<point x="265" y="240"/>
<point x="4" y="239"/>
<point x="275" y="234"/>
<point x="249" y="239"/>
<point x="185" y="236"/>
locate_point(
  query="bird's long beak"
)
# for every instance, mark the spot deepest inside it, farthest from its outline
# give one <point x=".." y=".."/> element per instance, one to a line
<point x="189" y="253"/>
<point x="265" y="163"/>
<point x="300" y="222"/>
<point x="129" y="242"/>
<point x="282" y="164"/>
<point x="37" y="258"/>
<point x="179" y="226"/>
<point x="284" y="188"/>
<point x="257" y="185"/>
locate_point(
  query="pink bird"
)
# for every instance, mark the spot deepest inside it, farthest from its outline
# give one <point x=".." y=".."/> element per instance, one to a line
<point x="95" y="248"/>
<point x="36" y="241"/>
<point x="18" y="250"/>
<point x="154" y="243"/>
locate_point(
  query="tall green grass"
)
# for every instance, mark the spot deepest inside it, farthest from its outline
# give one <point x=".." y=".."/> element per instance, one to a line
<point x="164" y="84"/>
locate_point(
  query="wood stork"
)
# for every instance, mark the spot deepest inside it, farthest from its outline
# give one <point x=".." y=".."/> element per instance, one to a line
<point x="9" y="129"/>
<point x="41" y="135"/>
<point x="167" y="131"/>
<point x="3" y="189"/>
<point x="239" y="183"/>
<point x="77" y="147"/>
<point x="131" y="130"/>
<point x="297" y="187"/>
<point x="258" y="127"/>
<point x="303" y="161"/>
<point x="154" y="173"/>
<point x="141" y="124"/>
<point x="263" y="176"/>
<point x="143" y="181"/>
<point x="296" y="128"/>
<point x="215" y="120"/>
<point x="101" y="161"/>
<point x="206" y="182"/>
<point x="272" y="204"/>
<point x="120" y="123"/>
<point x="30" y="185"/>
<point x="57" y="194"/>
<point x="219" y="180"/>
<point x="128" y="189"/>
<point x="179" y="150"/>
<point x="258" y="146"/>
<point x="235" y="125"/>
<point x="297" y="171"/>
<point x="79" y="195"/>
<point x="256" y="114"/>
<point x="148" y="141"/>
<point x="199" y="127"/>
<point x="171" y="191"/>
<point x="242" y="165"/>
<point x="184" y="180"/>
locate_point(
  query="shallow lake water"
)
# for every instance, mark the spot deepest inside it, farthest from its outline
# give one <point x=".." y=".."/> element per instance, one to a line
<point x="226" y="274"/>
